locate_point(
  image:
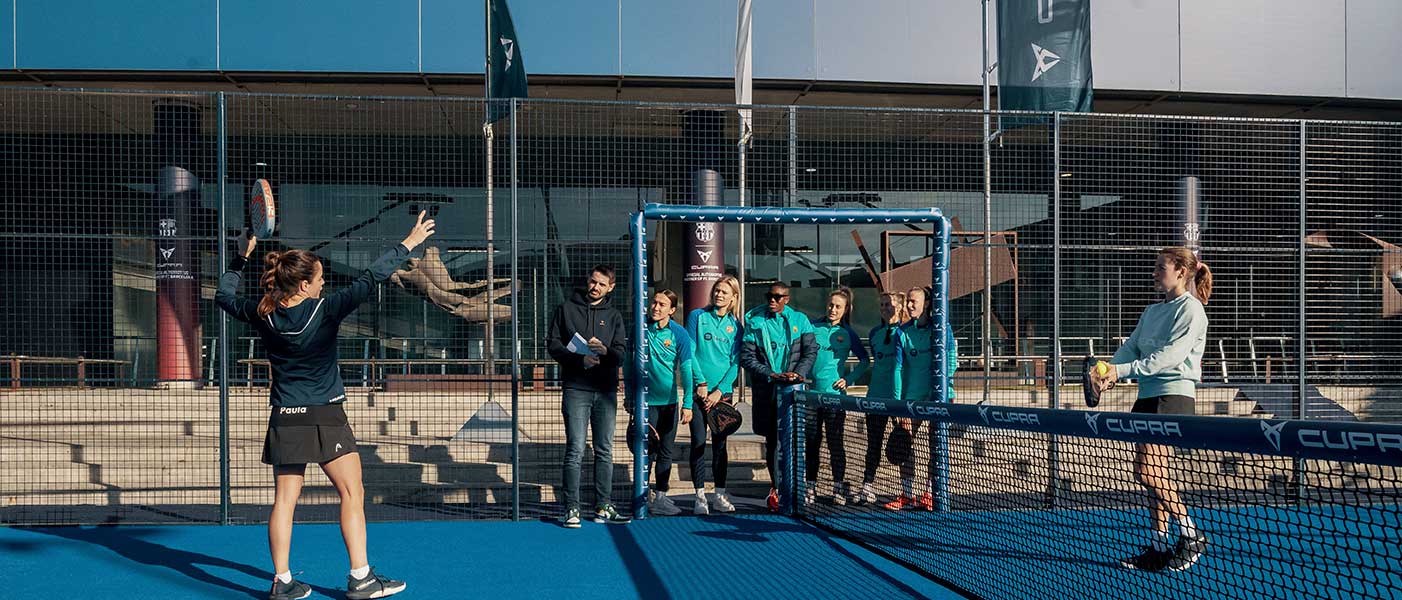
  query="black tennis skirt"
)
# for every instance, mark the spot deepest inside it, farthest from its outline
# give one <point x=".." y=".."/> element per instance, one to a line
<point x="307" y="434"/>
<point x="1166" y="405"/>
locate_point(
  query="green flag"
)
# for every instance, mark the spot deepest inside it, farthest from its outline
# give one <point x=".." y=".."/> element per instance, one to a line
<point x="507" y="68"/>
<point x="1044" y="55"/>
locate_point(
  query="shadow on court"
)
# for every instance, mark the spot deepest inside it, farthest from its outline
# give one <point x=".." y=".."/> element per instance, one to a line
<point x="752" y="545"/>
<point x="129" y="543"/>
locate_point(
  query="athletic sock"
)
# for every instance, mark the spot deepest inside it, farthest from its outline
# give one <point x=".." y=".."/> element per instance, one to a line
<point x="1187" y="527"/>
<point x="360" y="573"/>
<point x="285" y="577"/>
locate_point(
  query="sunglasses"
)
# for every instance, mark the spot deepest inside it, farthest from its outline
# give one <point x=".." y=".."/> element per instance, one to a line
<point x="776" y="297"/>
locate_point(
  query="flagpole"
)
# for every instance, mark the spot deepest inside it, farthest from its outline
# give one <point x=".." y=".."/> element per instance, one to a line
<point x="490" y="350"/>
<point x="987" y="223"/>
<point x="744" y="95"/>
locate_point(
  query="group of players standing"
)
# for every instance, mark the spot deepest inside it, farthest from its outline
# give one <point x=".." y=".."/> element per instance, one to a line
<point x="777" y="345"/>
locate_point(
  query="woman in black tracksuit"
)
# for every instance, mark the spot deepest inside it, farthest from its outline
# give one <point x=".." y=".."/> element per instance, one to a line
<point x="308" y="422"/>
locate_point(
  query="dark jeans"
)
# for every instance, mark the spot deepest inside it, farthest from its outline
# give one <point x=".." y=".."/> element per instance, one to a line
<point x="720" y="457"/>
<point x="664" y="420"/>
<point x="585" y="410"/>
<point x="876" y="436"/>
<point x="834" y="421"/>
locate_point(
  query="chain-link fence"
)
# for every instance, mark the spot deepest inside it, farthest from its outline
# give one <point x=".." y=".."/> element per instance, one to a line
<point x="128" y="397"/>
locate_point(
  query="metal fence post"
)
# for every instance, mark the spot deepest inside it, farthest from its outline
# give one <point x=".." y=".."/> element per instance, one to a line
<point x="223" y="344"/>
<point x="1301" y="409"/>
<point x="1054" y="390"/>
<point x="515" y="334"/>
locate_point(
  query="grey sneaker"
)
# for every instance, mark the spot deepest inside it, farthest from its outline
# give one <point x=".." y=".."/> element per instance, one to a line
<point x="662" y="505"/>
<point x="608" y="514"/>
<point x="292" y="590"/>
<point x="372" y="586"/>
<point x="571" y="518"/>
<point x="1187" y="552"/>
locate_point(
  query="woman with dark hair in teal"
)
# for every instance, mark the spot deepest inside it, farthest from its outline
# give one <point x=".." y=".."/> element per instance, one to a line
<point x="836" y="341"/>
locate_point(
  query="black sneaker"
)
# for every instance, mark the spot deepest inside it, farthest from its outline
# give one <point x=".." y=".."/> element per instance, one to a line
<point x="292" y="590"/>
<point x="1150" y="560"/>
<point x="1187" y="552"/>
<point x="372" y="586"/>
<point x="609" y="514"/>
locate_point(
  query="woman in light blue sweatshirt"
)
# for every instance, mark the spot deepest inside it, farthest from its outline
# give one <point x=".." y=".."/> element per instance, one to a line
<point x="1165" y="354"/>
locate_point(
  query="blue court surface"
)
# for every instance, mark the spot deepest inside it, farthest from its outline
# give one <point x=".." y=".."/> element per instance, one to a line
<point x="746" y="556"/>
<point x="1256" y="552"/>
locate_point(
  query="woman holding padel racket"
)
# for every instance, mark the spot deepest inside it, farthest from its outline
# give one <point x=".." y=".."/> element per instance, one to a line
<point x="1165" y="354"/>
<point x="308" y="424"/>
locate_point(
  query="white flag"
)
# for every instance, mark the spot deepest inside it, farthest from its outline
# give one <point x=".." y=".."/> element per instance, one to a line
<point x="744" y="71"/>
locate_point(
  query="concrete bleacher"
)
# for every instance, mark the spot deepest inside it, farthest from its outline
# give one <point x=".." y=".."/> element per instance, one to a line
<point x="111" y="447"/>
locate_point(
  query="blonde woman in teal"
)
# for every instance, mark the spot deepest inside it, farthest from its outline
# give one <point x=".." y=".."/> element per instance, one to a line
<point x="715" y="333"/>
<point x="919" y="342"/>
<point x="836" y="341"/>
<point x="887" y="350"/>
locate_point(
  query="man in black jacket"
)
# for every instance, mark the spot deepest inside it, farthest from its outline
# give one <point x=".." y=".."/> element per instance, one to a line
<point x="778" y="350"/>
<point x="590" y="382"/>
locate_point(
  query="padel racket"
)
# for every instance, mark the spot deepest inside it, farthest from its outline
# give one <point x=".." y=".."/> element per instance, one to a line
<point x="723" y="419"/>
<point x="262" y="210"/>
<point x="1088" y="381"/>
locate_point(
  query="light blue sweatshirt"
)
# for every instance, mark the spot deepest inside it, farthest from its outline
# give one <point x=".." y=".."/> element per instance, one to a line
<point x="1165" y="351"/>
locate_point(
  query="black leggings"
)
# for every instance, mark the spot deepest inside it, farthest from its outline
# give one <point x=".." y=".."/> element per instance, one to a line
<point x="876" y="435"/>
<point x="664" y="420"/>
<point x="908" y="469"/>
<point x="834" y="421"/>
<point x="720" y="457"/>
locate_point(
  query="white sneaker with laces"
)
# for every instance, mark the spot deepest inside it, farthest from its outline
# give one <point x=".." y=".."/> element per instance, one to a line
<point x="700" y="506"/>
<point x="810" y="497"/>
<point x="720" y="502"/>
<point x="839" y="494"/>
<point x="867" y="495"/>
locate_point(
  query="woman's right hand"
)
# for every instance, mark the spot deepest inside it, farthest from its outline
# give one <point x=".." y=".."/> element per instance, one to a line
<point x="712" y="399"/>
<point x="420" y="232"/>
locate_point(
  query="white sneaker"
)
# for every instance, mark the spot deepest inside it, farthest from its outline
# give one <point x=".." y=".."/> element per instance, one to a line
<point x="867" y="495"/>
<point x="839" y="494"/>
<point x="810" y="497"/>
<point x="720" y="502"/>
<point x="663" y="506"/>
<point x="700" y="506"/>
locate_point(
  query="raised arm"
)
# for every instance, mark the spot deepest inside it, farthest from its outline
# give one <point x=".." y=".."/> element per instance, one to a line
<point x="227" y="294"/>
<point x="340" y="304"/>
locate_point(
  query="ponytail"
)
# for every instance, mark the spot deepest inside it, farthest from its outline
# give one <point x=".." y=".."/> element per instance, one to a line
<point x="283" y="275"/>
<point x="1184" y="258"/>
<point x="1202" y="280"/>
